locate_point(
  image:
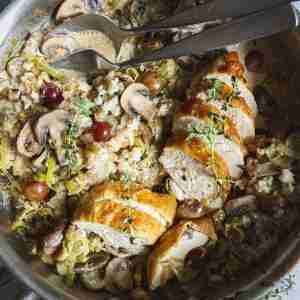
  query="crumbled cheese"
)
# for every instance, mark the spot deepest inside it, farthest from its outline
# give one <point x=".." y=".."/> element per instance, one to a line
<point x="135" y="124"/>
<point x="102" y="94"/>
<point x="287" y="176"/>
<point x="265" y="185"/>
<point x="115" y="87"/>
<point x="83" y="86"/>
<point x="28" y="66"/>
<point x="112" y="107"/>
<point x="288" y="181"/>
<point x="137" y="154"/>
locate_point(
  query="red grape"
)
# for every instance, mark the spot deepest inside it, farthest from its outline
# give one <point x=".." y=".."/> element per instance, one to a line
<point x="51" y="95"/>
<point x="36" y="191"/>
<point x="101" y="131"/>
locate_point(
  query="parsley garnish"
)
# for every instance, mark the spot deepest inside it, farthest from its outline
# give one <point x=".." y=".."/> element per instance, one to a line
<point x="208" y="132"/>
<point x="85" y="107"/>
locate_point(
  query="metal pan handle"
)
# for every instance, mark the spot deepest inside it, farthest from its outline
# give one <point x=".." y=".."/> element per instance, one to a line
<point x="28" y="295"/>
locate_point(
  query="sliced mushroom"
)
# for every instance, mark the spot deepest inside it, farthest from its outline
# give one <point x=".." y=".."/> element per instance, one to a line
<point x="59" y="44"/>
<point x="93" y="264"/>
<point x="52" y="124"/>
<point x="119" y="275"/>
<point x="53" y="240"/>
<point x="136" y="100"/>
<point x="26" y="142"/>
<point x="96" y="40"/>
<point x="72" y="8"/>
<point x="14" y="67"/>
<point x="238" y="205"/>
<point x="93" y="281"/>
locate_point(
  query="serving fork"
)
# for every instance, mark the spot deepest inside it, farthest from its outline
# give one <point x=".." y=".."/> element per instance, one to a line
<point x="241" y="21"/>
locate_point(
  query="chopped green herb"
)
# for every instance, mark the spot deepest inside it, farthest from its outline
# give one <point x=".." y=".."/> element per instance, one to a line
<point x="215" y="90"/>
<point x="70" y="146"/>
<point x="208" y="132"/>
<point x="235" y="85"/>
<point x="85" y="107"/>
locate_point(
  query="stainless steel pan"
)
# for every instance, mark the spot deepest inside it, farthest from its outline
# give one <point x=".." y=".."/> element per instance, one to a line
<point x="16" y="21"/>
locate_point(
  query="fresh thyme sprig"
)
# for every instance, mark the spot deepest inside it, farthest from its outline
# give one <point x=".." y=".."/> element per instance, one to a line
<point x="214" y="92"/>
<point x="82" y="107"/>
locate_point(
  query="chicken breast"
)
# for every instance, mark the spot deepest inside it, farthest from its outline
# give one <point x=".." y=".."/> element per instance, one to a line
<point x="239" y="86"/>
<point x="207" y="149"/>
<point x="243" y="123"/>
<point x="127" y="218"/>
<point x="229" y="151"/>
<point x="168" y="257"/>
<point x="190" y="176"/>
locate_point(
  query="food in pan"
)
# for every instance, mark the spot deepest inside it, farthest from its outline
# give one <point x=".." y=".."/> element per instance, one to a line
<point x="129" y="180"/>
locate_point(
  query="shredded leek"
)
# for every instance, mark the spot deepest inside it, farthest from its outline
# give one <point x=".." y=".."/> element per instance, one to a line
<point x="49" y="176"/>
<point x="41" y="64"/>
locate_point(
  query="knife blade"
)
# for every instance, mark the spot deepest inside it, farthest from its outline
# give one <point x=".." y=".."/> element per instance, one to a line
<point x="258" y="25"/>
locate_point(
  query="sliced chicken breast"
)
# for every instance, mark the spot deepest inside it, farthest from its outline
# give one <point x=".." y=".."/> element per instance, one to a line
<point x="230" y="152"/>
<point x="238" y="85"/>
<point x="189" y="175"/>
<point x="243" y="123"/>
<point x="168" y="257"/>
<point x="127" y="218"/>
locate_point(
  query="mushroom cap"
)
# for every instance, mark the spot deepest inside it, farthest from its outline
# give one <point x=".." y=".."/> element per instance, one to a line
<point x="59" y="44"/>
<point x="14" y="67"/>
<point x="93" y="264"/>
<point x="52" y="124"/>
<point x="119" y="275"/>
<point x="94" y="280"/>
<point x="136" y="100"/>
<point x="71" y="8"/>
<point x="26" y="142"/>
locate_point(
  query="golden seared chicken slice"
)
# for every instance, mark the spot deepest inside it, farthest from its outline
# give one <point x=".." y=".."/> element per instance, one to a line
<point x="168" y="257"/>
<point x="192" y="178"/>
<point x="238" y="120"/>
<point x="238" y="86"/>
<point x="209" y="136"/>
<point x="128" y="219"/>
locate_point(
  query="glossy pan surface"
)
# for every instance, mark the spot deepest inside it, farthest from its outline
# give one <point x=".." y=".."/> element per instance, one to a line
<point x="15" y="22"/>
